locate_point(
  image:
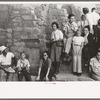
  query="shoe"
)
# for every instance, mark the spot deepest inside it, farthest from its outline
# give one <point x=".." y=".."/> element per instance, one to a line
<point x="78" y="74"/>
<point x="74" y="73"/>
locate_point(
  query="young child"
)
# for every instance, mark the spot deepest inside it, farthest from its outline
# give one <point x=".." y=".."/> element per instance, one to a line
<point x="23" y="66"/>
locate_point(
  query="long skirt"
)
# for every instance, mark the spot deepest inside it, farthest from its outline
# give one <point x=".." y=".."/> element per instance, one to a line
<point x="77" y="56"/>
<point x="55" y="53"/>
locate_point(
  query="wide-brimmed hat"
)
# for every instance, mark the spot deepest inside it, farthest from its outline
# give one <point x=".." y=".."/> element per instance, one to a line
<point x="2" y="48"/>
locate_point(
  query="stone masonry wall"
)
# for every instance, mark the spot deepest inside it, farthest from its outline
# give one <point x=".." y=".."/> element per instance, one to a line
<point x="27" y="27"/>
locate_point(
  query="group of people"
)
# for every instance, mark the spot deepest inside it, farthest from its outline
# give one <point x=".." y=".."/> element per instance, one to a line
<point x="79" y="42"/>
<point x="9" y="65"/>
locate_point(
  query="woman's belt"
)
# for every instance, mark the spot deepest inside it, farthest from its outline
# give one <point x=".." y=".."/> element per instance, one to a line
<point x="77" y="45"/>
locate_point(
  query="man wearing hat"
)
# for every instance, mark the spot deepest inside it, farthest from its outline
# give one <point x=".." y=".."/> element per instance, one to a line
<point x="6" y="71"/>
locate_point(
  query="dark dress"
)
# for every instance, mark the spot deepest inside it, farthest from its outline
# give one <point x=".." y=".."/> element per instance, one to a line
<point x="45" y="64"/>
<point x="89" y="50"/>
<point x="97" y="31"/>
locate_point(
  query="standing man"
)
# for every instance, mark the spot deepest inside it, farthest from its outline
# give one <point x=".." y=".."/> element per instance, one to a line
<point x="95" y="17"/>
<point x="81" y="24"/>
<point x="89" y="19"/>
<point x="6" y="70"/>
<point x="69" y="31"/>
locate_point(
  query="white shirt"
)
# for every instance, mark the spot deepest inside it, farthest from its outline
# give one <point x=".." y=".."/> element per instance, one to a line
<point x="82" y="24"/>
<point x="57" y="35"/>
<point x="23" y="63"/>
<point x="78" y="40"/>
<point x="95" y="17"/>
<point x="6" y="60"/>
<point x="89" y="20"/>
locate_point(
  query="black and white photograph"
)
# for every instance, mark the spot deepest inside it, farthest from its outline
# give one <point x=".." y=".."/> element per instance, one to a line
<point x="49" y="42"/>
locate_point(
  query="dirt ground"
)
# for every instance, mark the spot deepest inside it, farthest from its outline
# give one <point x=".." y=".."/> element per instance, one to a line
<point x="66" y="74"/>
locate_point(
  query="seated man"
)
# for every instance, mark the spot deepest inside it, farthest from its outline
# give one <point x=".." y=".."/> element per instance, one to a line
<point x="6" y="71"/>
<point x="94" y="67"/>
<point x="69" y="30"/>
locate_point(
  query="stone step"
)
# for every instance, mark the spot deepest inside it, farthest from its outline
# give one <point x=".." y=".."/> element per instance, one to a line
<point x="71" y="77"/>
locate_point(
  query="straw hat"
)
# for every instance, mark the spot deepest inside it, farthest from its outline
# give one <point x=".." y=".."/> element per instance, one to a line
<point x="2" y="48"/>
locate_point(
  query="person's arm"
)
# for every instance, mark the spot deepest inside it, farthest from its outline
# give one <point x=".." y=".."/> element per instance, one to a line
<point x="18" y="65"/>
<point x="73" y="43"/>
<point x="41" y="61"/>
<point x="90" y="22"/>
<point x="90" y="65"/>
<point x="52" y="37"/>
<point x="65" y="31"/>
<point x="48" y="71"/>
<point x="28" y="66"/>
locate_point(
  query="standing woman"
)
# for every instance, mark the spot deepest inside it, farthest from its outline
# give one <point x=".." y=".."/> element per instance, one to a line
<point x="78" y="42"/>
<point x="56" y="49"/>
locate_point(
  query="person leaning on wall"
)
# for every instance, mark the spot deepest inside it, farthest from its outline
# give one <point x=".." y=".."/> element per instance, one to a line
<point x="56" y="48"/>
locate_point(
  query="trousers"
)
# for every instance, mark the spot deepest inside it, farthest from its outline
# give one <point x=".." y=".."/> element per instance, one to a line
<point x="77" y="59"/>
<point x="5" y="76"/>
<point x="24" y="73"/>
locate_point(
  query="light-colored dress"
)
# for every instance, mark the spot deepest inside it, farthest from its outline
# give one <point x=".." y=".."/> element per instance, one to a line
<point x="77" y="53"/>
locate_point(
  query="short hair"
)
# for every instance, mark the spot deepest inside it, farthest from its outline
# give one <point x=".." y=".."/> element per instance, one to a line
<point x="26" y="55"/>
<point x="22" y="53"/>
<point x="87" y="27"/>
<point x="93" y="9"/>
<point x="70" y="15"/>
<point x="83" y="16"/>
<point x="57" y="25"/>
<point x="46" y="53"/>
<point x="85" y="10"/>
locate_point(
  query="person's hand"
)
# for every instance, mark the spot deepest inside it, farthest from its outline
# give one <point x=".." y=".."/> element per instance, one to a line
<point x="19" y="69"/>
<point x="38" y="78"/>
<point x="28" y="69"/>
<point x="52" y="41"/>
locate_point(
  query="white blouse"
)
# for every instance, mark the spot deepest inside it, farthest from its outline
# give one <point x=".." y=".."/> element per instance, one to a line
<point x="78" y="40"/>
<point x="57" y="35"/>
